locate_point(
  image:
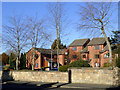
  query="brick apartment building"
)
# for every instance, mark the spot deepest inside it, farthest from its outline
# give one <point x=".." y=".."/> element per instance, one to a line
<point x="94" y="51"/>
<point x="98" y="52"/>
<point x="76" y="47"/>
<point x="44" y="58"/>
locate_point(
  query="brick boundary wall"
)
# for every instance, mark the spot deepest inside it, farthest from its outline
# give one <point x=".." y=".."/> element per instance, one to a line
<point x="75" y="75"/>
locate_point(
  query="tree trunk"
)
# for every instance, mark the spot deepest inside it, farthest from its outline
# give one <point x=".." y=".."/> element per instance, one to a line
<point x="108" y="43"/>
<point x="17" y="60"/>
<point x="18" y="49"/>
<point x="33" y="50"/>
<point x="58" y="52"/>
<point x="33" y="59"/>
<point x="17" y="63"/>
<point x="57" y="44"/>
<point x="10" y="59"/>
<point x="109" y="47"/>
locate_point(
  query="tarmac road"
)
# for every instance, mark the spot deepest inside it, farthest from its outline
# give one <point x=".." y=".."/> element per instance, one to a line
<point x="18" y="85"/>
<point x="21" y="87"/>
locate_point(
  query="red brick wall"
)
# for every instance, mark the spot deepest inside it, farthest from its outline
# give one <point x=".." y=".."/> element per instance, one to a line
<point x="45" y="63"/>
<point x="41" y="59"/>
<point x="38" y="60"/>
<point x="104" y="60"/>
<point x="77" y="52"/>
<point x="61" y="59"/>
<point x="29" y="59"/>
<point x="86" y="54"/>
<point x="92" y="53"/>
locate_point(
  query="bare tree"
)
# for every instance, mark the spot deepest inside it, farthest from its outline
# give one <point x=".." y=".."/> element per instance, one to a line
<point x="95" y="17"/>
<point x="57" y="21"/>
<point x="15" y="36"/>
<point x="38" y="35"/>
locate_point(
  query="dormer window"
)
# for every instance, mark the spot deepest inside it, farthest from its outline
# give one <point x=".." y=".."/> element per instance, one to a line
<point x="74" y="48"/>
<point x="96" y="47"/>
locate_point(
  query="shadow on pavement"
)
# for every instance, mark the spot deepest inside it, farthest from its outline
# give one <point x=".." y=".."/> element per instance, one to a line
<point x="114" y="88"/>
<point x="6" y="76"/>
<point x="62" y="84"/>
<point x="26" y="86"/>
<point x="47" y="85"/>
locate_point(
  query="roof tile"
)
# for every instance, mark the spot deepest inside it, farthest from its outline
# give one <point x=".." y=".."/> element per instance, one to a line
<point x="97" y="41"/>
<point x="79" y="42"/>
<point x="48" y="51"/>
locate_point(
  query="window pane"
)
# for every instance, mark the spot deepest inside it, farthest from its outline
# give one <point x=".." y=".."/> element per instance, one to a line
<point x="96" y="47"/>
<point x="96" y="55"/>
<point x="74" y="48"/>
<point x="36" y="56"/>
<point x="84" y="56"/>
<point x="36" y="65"/>
<point x="74" y="56"/>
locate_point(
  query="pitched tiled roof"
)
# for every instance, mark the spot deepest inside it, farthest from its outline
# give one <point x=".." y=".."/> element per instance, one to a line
<point x="48" y="51"/>
<point x="78" y="42"/>
<point x="85" y="50"/>
<point x="105" y="49"/>
<point x="97" y="41"/>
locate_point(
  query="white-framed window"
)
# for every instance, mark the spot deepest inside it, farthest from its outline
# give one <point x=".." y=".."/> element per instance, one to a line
<point x="74" y="48"/>
<point x="106" y="55"/>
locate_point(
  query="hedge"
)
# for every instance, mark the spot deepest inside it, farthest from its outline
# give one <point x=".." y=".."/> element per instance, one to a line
<point x="79" y="63"/>
<point x="63" y="68"/>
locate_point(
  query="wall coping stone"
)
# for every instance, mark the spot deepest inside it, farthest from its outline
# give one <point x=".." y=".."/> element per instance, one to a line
<point x="90" y="68"/>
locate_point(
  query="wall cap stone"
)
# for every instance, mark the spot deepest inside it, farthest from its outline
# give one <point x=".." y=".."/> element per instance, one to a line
<point x="90" y="68"/>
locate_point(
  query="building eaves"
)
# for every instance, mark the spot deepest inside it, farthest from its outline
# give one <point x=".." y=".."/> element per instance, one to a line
<point x="85" y="50"/>
<point x="79" y="42"/>
<point x="48" y="51"/>
<point x="104" y="49"/>
<point x="97" y="41"/>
